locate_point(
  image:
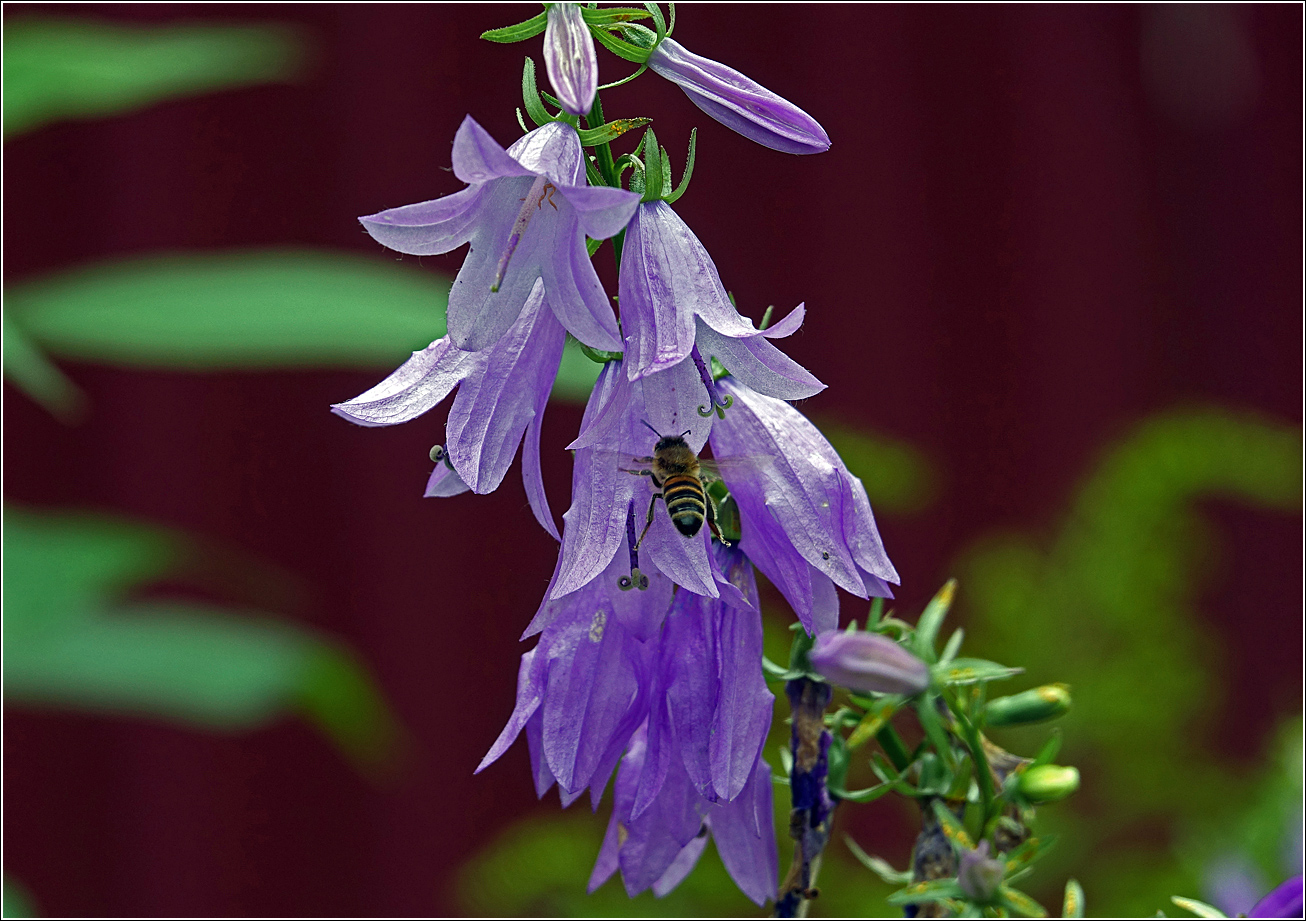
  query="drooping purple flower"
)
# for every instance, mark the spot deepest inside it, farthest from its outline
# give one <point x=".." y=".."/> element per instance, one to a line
<point x="868" y="662"/>
<point x="526" y="212"/>
<point x="502" y="393"/>
<point x="657" y="848"/>
<point x="738" y="102"/>
<point x="672" y="298"/>
<point x="570" y="59"/>
<point x="806" y="521"/>
<point x="1284" y="901"/>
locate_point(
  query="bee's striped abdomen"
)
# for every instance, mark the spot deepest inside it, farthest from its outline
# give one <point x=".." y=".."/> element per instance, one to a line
<point x="685" y="502"/>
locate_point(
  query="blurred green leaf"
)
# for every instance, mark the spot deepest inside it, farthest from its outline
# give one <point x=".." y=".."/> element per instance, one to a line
<point x="235" y="310"/>
<point x="1201" y="909"/>
<point x="898" y="477"/>
<point x="33" y="373"/>
<point x="970" y="671"/>
<point x="576" y="375"/>
<point x="74" y="68"/>
<point x="17" y="902"/>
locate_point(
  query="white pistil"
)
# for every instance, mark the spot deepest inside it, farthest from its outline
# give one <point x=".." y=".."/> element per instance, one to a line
<point x="541" y="189"/>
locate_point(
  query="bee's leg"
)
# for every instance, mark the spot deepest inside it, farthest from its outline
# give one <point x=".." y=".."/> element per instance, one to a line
<point x="649" y="523"/>
<point x="711" y="521"/>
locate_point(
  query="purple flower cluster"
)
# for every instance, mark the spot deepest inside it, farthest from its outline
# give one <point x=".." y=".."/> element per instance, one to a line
<point x="648" y="659"/>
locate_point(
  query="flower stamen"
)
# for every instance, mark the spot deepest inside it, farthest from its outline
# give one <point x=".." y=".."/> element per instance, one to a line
<point x="636" y="579"/>
<point x="719" y="404"/>
<point x="540" y="189"/>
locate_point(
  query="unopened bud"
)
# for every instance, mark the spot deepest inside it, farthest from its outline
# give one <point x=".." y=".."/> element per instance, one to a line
<point x="979" y="874"/>
<point x="868" y="662"/>
<point x="1033" y="706"/>
<point x="1047" y="783"/>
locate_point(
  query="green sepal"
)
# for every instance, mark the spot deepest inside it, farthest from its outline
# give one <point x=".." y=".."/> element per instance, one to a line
<point x="799" y="651"/>
<point x="866" y="795"/>
<point x="520" y="32"/>
<point x="1018" y="903"/>
<point x="592" y="246"/>
<point x="653" y="175"/>
<point x="877" y="604"/>
<point x="929" y="891"/>
<point x="641" y="37"/>
<point x="837" y="766"/>
<point x="659" y="23"/>
<point x="1201" y="909"/>
<point x="1072" y="906"/>
<point x="1049" y="749"/>
<point x="604" y="134"/>
<point x="880" y="867"/>
<point x="933" y="726"/>
<point x="951" y="648"/>
<point x="620" y="47"/>
<point x="611" y="15"/>
<point x="1027" y="853"/>
<point x="531" y="96"/>
<point x="786" y="760"/>
<point x="637" y="175"/>
<point x="774" y="672"/>
<point x="953" y="830"/>
<point x="598" y="355"/>
<point x="592" y="174"/>
<point x="969" y="671"/>
<point x="927" y="628"/>
<point x="876" y="718"/>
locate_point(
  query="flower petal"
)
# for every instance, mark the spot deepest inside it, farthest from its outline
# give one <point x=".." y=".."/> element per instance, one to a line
<point x="530" y="693"/>
<point x="738" y="102"/>
<point x="477" y="157"/>
<point x="601" y="211"/>
<point x="691" y="630"/>
<point x="570" y="59"/>
<point x="750" y="858"/>
<point x="443" y="482"/>
<point x="683" y="559"/>
<point x="685" y="861"/>
<point x="552" y="150"/>
<point x="759" y="364"/>
<point x="540" y="772"/>
<point x="672" y="399"/>
<point x="413" y="388"/>
<point x="788" y="326"/>
<point x="575" y="293"/>
<point x="862" y="535"/>
<point x="495" y="405"/>
<point x="743" y="711"/>
<point x="429" y="227"/>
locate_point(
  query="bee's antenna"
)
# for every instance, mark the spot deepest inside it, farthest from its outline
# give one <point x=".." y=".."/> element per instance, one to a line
<point x="651" y="429"/>
<point x="686" y="432"/>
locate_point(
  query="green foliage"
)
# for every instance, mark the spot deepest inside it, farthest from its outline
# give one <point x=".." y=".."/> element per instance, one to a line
<point x="61" y="69"/>
<point x="71" y="640"/>
<point x="899" y="478"/>
<point x="17" y="902"/>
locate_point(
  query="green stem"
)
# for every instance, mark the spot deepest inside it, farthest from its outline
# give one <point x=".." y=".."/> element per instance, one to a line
<point x="893" y="746"/>
<point x="984" y="776"/>
<point x="603" y="152"/>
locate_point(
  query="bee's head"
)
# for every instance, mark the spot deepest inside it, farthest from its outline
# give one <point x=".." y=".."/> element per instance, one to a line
<point x="667" y="442"/>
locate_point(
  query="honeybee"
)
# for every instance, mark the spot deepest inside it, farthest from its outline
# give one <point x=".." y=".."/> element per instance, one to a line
<point x="680" y="478"/>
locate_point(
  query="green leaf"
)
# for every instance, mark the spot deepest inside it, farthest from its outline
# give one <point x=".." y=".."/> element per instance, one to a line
<point x="604" y="134"/>
<point x="933" y="726"/>
<point x="74" y="68"/>
<point x="865" y="795"/>
<point x="1072" y="905"/>
<point x="927" y="628"/>
<point x="1201" y="909"/>
<point x="1027" y="853"/>
<point x="520" y="32"/>
<point x="653" y="175"/>
<point x="243" y="309"/>
<point x="952" y="646"/>
<point x="1048" y="750"/>
<point x="32" y="372"/>
<point x="18" y="902"/>
<point x="929" y="891"/>
<point x="1016" y="901"/>
<point x="659" y="23"/>
<point x="953" y="830"/>
<point x="666" y="174"/>
<point x="576" y="375"/>
<point x="611" y="14"/>
<point x="881" y="868"/>
<point x="970" y="671"/>
<point x="531" y="95"/>
<point x="877" y="717"/>
<point x="620" y="47"/>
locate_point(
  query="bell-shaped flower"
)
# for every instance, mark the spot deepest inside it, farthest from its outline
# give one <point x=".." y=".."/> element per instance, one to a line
<point x="1284" y="901"/>
<point x="526" y="212"/>
<point x="739" y="103"/>
<point x="868" y="662"/>
<point x="672" y="299"/>
<point x="657" y="848"/>
<point x="502" y="393"/>
<point x="806" y="521"/>
<point x="570" y="59"/>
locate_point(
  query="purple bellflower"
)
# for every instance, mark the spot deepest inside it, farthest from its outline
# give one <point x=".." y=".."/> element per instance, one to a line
<point x="739" y="103"/>
<point x="502" y="393"/>
<point x="806" y="521"/>
<point x="1284" y="901"/>
<point x="526" y="212"/>
<point x="570" y="59"/>
<point x="672" y="300"/>
<point x="868" y="662"/>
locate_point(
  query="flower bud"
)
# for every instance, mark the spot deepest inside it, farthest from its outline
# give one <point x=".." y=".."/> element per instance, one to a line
<point x="1047" y="783"/>
<point x="979" y="874"/>
<point x="1033" y="706"/>
<point x="570" y="59"/>
<point x="868" y="662"/>
<point x="737" y="102"/>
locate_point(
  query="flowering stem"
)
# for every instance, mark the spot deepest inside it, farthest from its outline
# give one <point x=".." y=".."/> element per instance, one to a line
<point x="809" y="819"/>
<point x="984" y="777"/>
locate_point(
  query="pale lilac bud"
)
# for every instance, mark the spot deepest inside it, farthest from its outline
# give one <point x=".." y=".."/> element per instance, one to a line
<point x="868" y="662"/>
<point x="736" y="101"/>
<point x="570" y="59"/>
<point x="979" y="874"/>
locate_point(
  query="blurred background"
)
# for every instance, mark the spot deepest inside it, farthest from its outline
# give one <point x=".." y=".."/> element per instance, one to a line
<point x="1052" y="265"/>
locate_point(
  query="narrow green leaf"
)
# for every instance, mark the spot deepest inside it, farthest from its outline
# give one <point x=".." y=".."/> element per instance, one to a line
<point x="620" y="47"/>
<point x="1049" y="749"/>
<point x="238" y="309"/>
<point x="953" y="830"/>
<point x="1201" y="909"/>
<point x="866" y="795"/>
<point x="520" y="32"/>
<point x="934" y="731"/>
<point x="652" y="167"/>
<point x="606" y="16"/>
<point x="1072" y="905"/>
<point x="666" y="174"/>
<point x="1028" y="852"/>
<point x="881" y="868"/>
<point x="970" y="671"/>
<point x="531" y="95"/>
<point x="877" y="717"/>
<point x="929" y="891"/>
<point x="604" y="134"/>
<point x="659" y="23"/>
<point x="28" y="368"/>
<point x="1020" y="903"/>
<point x="592" y="245"/>
<point x="74" y="68"/>
<point x="927" y="628"/>
<point x="952" y="646"/>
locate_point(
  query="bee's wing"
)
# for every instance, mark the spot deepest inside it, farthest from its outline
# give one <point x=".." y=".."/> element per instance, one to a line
<point x="720" y="468"/>
<point x="621" y="461"/>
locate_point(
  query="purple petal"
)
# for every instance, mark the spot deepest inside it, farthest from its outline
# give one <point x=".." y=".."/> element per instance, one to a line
<point x="656" y="839"/>
<point x="443" y="482"/>
<point x="788" y="326"/>
<point x="868" y="662"/>
<point x="429" y="227"/>
<point x="738" y="102"/>
<point x="530" y="692"/>
<point x="671" y="402"/>
<point x="683" y="559"/>
<point x="477" y="157"/>
<point x="691" y="630"/>
<point x="759" y="364"/>
<point x="662" y="746"/>
<point x="685" y="861"/>
<point x="540" y="772"/>
<point x="602" y="211"/>
<point x="532" y="475"/>
<point x="494" y="407"/>
<point x="1285" y="901"/>
<point x="750" y="858"/>
<point x="575" y="293"/>
<point x="743" y="712"/>
<point x="863" y="536"/>
<point x="415" y="386"/>
<point x="570" y="59"/>
<point x="607" y="424"/>
<point x="552" y="150"/>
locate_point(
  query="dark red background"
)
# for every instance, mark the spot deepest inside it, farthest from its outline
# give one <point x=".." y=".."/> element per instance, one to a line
<point x="1014" y="250"/>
